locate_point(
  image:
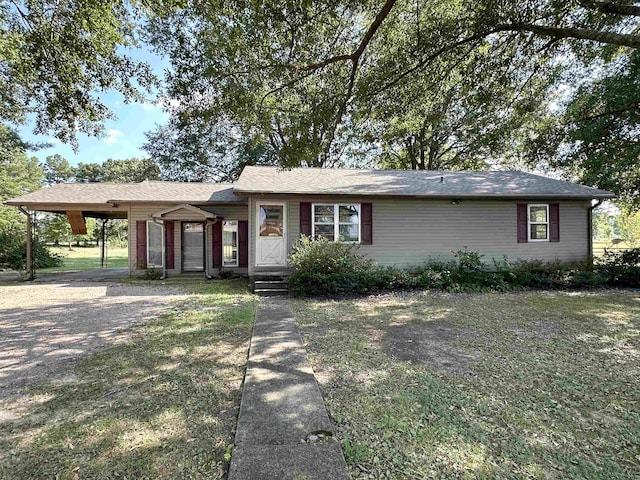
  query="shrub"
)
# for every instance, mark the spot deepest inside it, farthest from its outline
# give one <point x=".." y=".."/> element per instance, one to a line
<point x="322" y="267"/>
<point x="152" y="273"/>
<point x="555" y="275"/>
<point x="621" y="268"/>
<point x="13" y="253"/>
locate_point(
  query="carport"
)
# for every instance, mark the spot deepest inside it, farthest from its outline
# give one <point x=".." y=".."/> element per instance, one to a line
<point x="77" y="202"/>
<point x="174" y="227"/>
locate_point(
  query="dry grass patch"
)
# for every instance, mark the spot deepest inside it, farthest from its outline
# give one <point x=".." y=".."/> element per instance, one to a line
<point x="162" y="405"/>
<point x="533" y="385"/>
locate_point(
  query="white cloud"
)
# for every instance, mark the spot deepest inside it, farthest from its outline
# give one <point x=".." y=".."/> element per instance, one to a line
<point x="112" y="136"/>
<point x="54" y="141"/>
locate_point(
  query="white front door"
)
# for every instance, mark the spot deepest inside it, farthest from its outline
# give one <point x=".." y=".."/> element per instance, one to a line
<point x="271" y="244"/>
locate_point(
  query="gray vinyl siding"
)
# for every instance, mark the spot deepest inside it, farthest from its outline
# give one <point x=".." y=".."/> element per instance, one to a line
<point x="407" y="232"/>
<point x="143" y="212"/>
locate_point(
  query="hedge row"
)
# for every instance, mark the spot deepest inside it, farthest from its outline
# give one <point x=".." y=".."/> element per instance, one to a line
<point x="322" y="267"/>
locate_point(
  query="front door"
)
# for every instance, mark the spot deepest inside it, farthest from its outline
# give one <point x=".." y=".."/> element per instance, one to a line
<point x="192" y="246"/>
<point x="271" y="247"/>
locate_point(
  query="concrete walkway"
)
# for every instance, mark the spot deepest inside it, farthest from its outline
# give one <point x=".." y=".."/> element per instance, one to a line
<point x="283" y="428"/>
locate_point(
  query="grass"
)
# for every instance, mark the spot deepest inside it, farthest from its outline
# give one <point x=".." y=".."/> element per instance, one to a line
<point x="163" y="405"/>
<point x="535" y="385"/>
<point x="88" y="258"/>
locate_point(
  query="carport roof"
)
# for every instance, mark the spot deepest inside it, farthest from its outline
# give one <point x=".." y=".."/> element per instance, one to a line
<point x="144" y="192"/>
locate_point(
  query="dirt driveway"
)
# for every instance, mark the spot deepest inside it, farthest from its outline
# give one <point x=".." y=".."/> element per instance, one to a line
<point x="46" y="328"/>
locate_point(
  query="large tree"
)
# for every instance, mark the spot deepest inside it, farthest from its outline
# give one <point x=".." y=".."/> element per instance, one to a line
<point x="198" y="149"/>
<point x="595" y="139"/>
<point x="19" y="174"/>
<point x="306" y="75"/>
<point x="57" y="169"/>
<point x="58" y="56"/>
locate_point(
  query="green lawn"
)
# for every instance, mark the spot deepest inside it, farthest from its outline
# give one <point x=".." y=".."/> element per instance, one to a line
<point x="161" y="406"/>
<point x="533" y="385"/>
<point x="88" y="258"/>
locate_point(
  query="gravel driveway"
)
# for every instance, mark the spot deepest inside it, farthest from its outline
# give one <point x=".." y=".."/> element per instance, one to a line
<point x="46" y="328"/>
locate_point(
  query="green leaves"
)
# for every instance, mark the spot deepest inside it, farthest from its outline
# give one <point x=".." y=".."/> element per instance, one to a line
<point x="58" y="57"/>
<point x="446" y="84"/>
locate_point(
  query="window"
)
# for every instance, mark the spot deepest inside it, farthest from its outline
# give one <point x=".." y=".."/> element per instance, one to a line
<point x="230" y="243"/>
<point x="271" y="221"/>
<point x="538" y="222"/>
<point x="155" y="245"/>
<point x="339" y="222"/>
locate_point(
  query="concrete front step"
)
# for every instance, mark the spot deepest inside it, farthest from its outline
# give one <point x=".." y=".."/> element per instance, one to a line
<point x="270" y="284"/>
<point x="271" y="292"/>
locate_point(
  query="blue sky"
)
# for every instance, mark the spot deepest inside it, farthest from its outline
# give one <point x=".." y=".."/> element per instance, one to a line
<point x="124" y="136"/>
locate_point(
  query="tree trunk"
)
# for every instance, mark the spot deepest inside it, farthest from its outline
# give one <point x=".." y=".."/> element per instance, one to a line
<point x="422" y="164"/>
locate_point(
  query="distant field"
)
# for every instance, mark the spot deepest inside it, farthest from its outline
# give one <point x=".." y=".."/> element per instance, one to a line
<point x="600" y="245"/>
<point x="88" y="258"/>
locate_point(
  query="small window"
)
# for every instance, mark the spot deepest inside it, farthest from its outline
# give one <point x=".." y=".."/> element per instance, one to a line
<point x="538" y="222"/>
<point x="155" y="245"/>
<point x="271" y="221"/>
<point x="230" y="243"/>
<point x="338" y="223"/>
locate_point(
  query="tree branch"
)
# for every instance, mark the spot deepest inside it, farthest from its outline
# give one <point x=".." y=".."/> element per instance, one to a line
<point x="612" y="7"/>
<point x="609" y="38"/>
<point x="357" y="53"/>
<point x="616" y="111"/>
<point x="427" y="60"/>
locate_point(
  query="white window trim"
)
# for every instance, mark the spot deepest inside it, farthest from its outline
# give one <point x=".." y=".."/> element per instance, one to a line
<point x="336" y="219"/>
<point x="149" y="264"/>
<point x="237" y="262"/>
<point x="529" y="222"/>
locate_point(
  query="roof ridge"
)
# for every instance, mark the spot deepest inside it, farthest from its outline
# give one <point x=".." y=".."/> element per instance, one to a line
<point x="382" y="170"/>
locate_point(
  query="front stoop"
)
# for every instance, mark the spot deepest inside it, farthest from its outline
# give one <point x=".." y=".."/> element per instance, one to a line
<point x="283" y="431"/>
<point x="270" y="286"/>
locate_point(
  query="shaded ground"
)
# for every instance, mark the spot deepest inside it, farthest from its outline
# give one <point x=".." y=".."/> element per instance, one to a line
<point x="432" y="344"/>
<point x="47" y="328"/>
<point x="11" y="277"/>
<point x="160" y="403"/>
<point x="532" y="385"/>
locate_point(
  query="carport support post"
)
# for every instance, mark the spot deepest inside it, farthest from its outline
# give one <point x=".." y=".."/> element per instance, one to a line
<point x="31" y="271"/>
<point x="102" y="246"/>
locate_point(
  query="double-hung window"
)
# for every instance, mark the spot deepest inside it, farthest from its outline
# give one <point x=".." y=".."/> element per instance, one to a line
<point x="155" y="245"/>
<point x="538" y="222"/>
<point x="337" y="222"/>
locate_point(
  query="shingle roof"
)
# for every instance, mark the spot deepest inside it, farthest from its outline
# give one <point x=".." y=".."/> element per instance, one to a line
<point x="437" y="184"/>
<point x="158" y="192"/>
